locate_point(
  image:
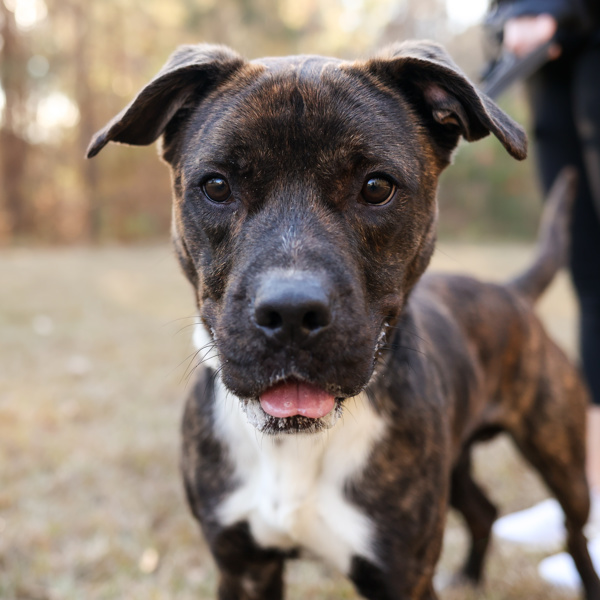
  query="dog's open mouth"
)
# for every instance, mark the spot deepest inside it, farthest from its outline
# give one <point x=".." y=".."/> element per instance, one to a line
<point x="291" y="398"/>
<point x="293" y="406"/>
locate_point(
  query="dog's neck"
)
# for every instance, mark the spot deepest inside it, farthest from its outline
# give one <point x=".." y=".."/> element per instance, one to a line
<point x="292" y="487"/>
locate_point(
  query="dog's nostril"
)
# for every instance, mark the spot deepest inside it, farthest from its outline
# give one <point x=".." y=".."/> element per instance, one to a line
<point x="315" y="319"/>
<point x="272" y="320"/>
<point x="266" y="315"/>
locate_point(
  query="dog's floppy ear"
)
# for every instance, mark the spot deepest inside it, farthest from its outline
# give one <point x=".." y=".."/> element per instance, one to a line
<point x="449" y="103"/>
<point x="189" y="71"/>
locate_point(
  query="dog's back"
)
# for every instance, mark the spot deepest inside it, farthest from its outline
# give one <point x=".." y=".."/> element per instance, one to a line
<point x="502" y="372"/>
<point x="502" y="354"/>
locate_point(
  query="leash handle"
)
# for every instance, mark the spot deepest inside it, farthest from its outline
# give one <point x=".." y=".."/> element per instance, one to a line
<point x="509" y="69"/>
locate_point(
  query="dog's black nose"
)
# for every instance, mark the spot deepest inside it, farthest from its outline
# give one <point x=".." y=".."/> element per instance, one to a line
<point x="292" y="308"/>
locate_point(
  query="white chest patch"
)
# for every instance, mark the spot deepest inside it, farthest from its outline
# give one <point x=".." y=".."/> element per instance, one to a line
<point x="291" y="487"/>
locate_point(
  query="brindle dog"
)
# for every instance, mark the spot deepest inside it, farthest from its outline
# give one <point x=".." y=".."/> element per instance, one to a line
<point x="342" y="391"/>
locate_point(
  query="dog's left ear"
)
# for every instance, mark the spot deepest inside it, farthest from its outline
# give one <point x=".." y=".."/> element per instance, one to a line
<point x="448" y="102"/>
<point x="189" y="74"/>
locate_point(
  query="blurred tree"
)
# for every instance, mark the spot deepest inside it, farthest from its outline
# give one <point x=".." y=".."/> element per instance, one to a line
<point x="86" y="101"/>
<point x="14" y="148"/>
<point x="68" y="66"/>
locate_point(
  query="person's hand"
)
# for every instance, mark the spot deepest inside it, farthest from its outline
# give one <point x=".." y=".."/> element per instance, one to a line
<point x="524" y="34"/>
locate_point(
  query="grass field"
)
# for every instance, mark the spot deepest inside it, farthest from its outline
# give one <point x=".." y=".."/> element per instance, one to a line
<point x="94" y="364"/>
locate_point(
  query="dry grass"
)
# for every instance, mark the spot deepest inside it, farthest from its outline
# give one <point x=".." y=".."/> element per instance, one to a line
<point x="95" y="346"/>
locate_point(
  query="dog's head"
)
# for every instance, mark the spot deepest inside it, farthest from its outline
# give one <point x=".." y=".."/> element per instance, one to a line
<point x="305" y="206"/>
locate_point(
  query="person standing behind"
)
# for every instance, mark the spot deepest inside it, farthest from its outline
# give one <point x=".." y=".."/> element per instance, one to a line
<point x="564" y="97"/>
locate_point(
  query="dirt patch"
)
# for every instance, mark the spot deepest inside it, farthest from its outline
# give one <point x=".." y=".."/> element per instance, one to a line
<point x="94" y="362"/>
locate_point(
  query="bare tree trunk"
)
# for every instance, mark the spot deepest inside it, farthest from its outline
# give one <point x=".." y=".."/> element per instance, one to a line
<point x="87" y="124"/>
<point x="14" y="149"/>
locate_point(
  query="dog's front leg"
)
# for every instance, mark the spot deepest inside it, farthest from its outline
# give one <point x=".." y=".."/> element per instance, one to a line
<point x="375" y="583"/>
<point x="247" y="571"/>
<point x="408" y="507"/>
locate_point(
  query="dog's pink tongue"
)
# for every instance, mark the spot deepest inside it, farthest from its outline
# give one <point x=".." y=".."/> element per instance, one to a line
<point x="296" y="398"/>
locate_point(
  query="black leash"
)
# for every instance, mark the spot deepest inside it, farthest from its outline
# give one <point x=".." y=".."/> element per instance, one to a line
<point x="508" y="69"/>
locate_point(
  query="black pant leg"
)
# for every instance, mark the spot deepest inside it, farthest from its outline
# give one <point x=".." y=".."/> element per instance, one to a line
<point x="556" y="97"/>
<point x="586" y="246"/>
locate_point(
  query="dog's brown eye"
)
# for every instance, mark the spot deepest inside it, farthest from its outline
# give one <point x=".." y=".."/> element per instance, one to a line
<point x="217" y="189"/>
<point x="377" y="190"/>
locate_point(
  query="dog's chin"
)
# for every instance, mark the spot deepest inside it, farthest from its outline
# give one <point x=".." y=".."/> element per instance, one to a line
<point x="270" y="425"/>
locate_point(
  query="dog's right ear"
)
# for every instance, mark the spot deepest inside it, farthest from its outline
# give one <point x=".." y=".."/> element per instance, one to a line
<point x="189" y="72"/>
<point x="448" y="102"/>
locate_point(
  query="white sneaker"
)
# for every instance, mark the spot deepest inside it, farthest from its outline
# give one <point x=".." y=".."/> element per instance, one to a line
<point x="592" y="527"/>
<point x="541" y="527"/>
<point x="560" y="570"/>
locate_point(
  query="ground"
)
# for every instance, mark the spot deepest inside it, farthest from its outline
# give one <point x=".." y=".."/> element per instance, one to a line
<point x="95" y="359"/>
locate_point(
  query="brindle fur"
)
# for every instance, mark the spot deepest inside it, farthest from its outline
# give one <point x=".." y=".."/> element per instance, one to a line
<point x="462" y="359"/>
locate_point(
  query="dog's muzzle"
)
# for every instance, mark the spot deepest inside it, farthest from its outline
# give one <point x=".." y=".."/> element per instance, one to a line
<point x="292" y="309"/>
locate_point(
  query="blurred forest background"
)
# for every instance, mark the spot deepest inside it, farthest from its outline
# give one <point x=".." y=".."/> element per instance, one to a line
<point x="67" y="66"/>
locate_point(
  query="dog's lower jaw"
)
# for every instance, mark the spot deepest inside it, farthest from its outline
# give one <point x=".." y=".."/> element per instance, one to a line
<point x="265" y="423"/>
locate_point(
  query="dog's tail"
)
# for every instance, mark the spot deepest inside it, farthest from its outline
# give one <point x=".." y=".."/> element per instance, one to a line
<point x="553" y="238"/>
